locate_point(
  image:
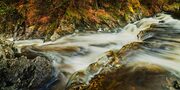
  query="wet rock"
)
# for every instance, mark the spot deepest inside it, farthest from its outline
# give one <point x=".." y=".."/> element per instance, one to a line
<point x="79" y="80"/>
<point x="120" y="74"/>
<point x="6" y="49"/>
<point x="176" y="85"/>
<point x="128" y="78"/>
<point x="59" y="83"/>
<point x="20" y="72"/>
<point x="131" y="73"/>
<point x="55" y="36"/>
<point x="138" y="76"/>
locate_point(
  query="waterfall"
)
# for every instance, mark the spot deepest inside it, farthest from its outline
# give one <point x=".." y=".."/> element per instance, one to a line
<point x="159" y="35"/>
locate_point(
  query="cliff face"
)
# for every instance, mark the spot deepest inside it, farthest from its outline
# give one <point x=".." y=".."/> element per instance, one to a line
<point x="53" y="18"/>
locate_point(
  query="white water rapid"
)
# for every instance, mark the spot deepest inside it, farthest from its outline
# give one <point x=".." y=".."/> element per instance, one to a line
<point x="75" y="52"/>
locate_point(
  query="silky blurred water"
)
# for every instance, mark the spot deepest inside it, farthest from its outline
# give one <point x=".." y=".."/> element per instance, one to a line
<point x="76" y="52"/>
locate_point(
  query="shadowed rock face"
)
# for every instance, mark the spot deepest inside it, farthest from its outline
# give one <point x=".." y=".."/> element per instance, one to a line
<point x="45" y="18"/>
<point x="20" y="72"/>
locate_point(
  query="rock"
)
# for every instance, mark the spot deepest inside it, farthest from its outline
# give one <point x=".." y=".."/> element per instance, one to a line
<point x="107" y="63"/>
<point x="117" y="74"/>
<point x="54" y="36"/>
<point x="42" y="18"/>
<point x="20" y="72"/>
<point x="128" y="78"/>
<point x="144" y="65"/>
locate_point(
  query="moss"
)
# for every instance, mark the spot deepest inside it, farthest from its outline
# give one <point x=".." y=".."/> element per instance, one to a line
<point x="82" y="14"/>
<point x="70" y="13"/>
<point x="3" y="10"/>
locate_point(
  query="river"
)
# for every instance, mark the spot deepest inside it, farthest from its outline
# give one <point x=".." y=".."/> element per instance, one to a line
<point x="158" y="36"/>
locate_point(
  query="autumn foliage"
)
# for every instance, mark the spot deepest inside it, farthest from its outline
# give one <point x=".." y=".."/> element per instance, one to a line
<point x="67" y="15"/>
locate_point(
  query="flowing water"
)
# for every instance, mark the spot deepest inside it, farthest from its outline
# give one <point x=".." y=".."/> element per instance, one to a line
<point x="159" y="35"/>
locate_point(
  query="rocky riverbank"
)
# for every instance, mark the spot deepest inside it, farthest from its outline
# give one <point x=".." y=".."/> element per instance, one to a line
<point x="150" y="64"/>
<point x="51" y="19"/>
<point x="39" y="65"/>
<point x="20" y="72"/>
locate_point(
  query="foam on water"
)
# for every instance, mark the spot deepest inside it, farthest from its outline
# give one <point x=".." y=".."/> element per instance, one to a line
<point x="87" y="47"/>
<point x="75" y="52"/>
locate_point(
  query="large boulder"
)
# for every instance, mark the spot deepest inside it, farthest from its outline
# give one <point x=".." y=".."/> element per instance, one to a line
<point x="19" y="72"/>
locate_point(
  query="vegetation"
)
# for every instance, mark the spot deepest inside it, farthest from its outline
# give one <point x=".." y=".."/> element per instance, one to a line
<point x="55" y="16"/>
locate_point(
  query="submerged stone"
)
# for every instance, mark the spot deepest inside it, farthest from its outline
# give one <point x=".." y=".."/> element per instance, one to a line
<point x="138" y="76"/>
<point x="152" y="64"/>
